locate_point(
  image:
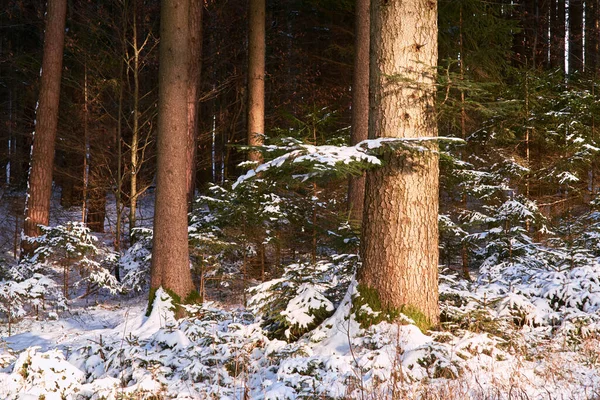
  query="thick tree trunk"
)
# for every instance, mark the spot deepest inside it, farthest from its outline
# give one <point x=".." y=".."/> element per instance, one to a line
<point x="170" y="257"/>
<point x="256" y="78"/>
<point x="400" y="228"/>
<point x="37" y="208"/>
<point x="195" y="66"/>
<point x="360" y="103"/>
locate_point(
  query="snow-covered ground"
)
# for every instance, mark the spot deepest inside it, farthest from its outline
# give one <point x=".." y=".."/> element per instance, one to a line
<point x="516" y="333"/>
<point x="113" y="351"/>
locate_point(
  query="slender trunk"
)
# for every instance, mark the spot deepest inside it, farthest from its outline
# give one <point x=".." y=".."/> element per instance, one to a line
<point x="542" y="40"/>
<point x="262" y="262"/>
<point x="575" y="36"/>
<point x="256" y="78"/>
<point x="463" y="132"/>
<point x="400" y="228"/>
<point x="557" y="33"/>
<point x="315" y="199"/>
<point x="195" y="73"/>
<point x="135" y="134"/>
<point x="96" y="189"/>
<point x="119" y="191"/>
<point x="86" y="148"/>
<point x="360" y="104"/>
<point x="591" y="37"/>
<point x="16" y="237"/>
<point x="37" y="208"/>
<point x="12" y="144"/>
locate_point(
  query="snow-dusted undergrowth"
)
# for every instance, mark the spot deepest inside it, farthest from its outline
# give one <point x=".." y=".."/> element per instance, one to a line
<point x="535" y="337"/>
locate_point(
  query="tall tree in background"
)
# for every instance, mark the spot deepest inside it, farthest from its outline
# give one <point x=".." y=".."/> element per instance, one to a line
<point x="256" y="77"/>
<point x="37" y="208"/>
<point x="195" y="65"/>
<point x="576" y="30"/>
<point x="360" y="102"/>
<point x="399" y="245"/>
<point x="170" y="255"/>
<point x="557" y="33"/>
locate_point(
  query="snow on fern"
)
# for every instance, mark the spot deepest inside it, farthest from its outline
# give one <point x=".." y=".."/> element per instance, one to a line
<point x="301" y="309"/>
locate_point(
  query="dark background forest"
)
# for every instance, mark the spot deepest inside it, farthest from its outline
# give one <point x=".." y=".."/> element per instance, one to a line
<point x="517" y="82"/>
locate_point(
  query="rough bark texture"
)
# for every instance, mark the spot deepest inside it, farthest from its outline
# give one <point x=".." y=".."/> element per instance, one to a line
<point x="195" y="66"/>
<point x="360" y="103"/>
<point x="170" y="258"/>
<point x="256" y="78"/>
<point x="37" y="209"/>
<point x="400" y="229"/>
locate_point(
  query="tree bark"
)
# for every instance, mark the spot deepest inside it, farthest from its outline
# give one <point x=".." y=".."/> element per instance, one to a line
<point x="170" y="257"/>
<point x="195" y="69"/>
<point x="256" y="78"/>
<point x="37" y="208"/>
<point x="400" y="228"/>
<point x="360" y="104"/>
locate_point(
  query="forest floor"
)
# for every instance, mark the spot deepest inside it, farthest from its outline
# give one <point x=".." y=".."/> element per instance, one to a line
<point x="505" y="339"/>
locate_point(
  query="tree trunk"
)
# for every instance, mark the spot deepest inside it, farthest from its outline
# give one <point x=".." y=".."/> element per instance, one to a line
<point x="360" y="104"/>
<point x="541" y="40"/>
<point x="97" y="187"/>
<point x="557" y="34"/>
<point x="591" y="38"/>
<point x="575" y="36"/>
<point x="135" y="134"/>
<point x="256" y="78"/>
<point x="170" y="257"/>
<point x="37" y="208"/>
<point x="195" y="66"/>
<point x="400" y="228"/>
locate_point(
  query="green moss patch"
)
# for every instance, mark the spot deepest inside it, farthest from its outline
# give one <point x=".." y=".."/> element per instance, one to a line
<point x="193" y="297"/>
<point x="368" y="310"/>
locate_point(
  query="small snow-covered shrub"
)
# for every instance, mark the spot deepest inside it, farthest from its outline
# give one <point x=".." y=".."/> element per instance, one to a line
<point x="70" y="247"/>
<point x="206" y="355"/>
<point x="134" y="264"/>
<point x="566" y="300"/>
<point x="303" y="297"/>
<point x="46" y="375"/>
<point x="16" y="297"/>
